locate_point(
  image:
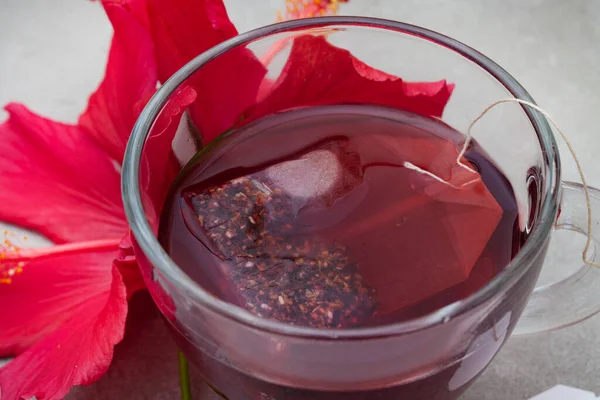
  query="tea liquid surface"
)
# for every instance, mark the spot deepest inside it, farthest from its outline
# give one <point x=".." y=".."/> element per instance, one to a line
<point x="318" y="217"/>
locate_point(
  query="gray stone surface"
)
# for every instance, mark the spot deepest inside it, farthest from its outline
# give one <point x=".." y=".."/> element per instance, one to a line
<point x="52" y="55"/>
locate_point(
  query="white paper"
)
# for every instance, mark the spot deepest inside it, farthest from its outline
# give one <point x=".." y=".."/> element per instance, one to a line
<point x="562" y="392"/>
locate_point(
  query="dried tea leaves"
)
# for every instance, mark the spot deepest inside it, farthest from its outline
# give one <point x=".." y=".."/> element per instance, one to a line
<point x="275" y="275"/>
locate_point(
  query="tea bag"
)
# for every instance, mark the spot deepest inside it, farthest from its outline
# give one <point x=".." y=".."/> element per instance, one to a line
<point x="349" y="230"/>
<point x="274" y="273"/>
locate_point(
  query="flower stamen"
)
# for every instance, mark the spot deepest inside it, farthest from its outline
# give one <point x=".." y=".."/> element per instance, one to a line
<point x="296" y="9"/>
<point x="10" y="266"/>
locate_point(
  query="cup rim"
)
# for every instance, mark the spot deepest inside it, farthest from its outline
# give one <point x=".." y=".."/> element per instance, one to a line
<point x="149" y="244"/>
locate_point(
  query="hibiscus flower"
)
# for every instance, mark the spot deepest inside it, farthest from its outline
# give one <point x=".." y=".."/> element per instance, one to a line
<point x="68" y="303"/>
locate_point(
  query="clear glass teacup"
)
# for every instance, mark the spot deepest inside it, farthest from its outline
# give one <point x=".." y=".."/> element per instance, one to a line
<point x="435" y="356"/>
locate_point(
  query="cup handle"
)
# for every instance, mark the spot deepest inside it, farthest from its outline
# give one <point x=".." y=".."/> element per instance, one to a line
<point x="576" y="297"/>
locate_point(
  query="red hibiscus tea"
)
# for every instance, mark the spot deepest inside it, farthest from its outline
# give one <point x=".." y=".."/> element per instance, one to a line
<point x="339" y="217"/>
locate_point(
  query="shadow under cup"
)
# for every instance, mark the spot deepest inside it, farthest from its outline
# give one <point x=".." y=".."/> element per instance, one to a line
<point x="433" y="357"/>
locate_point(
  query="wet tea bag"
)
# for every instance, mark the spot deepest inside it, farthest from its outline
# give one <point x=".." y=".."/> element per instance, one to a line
<point x="298" y="245"/>
<point x="274" y="272"/>
<point x="345" y="225"/>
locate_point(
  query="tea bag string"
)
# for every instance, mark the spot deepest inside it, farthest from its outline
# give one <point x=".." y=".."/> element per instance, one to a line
<point x="571" y="150"/>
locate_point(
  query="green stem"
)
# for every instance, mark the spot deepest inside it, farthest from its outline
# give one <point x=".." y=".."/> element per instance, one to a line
<point x="184" y="378"/>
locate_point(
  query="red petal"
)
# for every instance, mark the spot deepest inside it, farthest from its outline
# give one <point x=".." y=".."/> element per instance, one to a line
<point x="56" y="181"/>
<point x="130" y="80"/>
<point x="184" y="29"/>
<point x="127" y="264"/>
<point x="47" y="286"/>
<point x="80" y="289"/>
<point x="159" y="166"/>
<point x="156" y="283"/>
<point x="318" y="73"/>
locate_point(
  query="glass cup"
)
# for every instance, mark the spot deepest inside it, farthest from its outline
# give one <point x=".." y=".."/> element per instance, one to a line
<point x="435" y="356"/>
